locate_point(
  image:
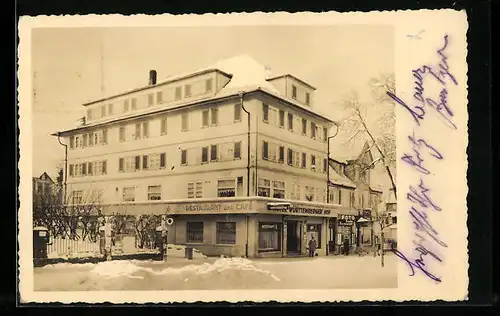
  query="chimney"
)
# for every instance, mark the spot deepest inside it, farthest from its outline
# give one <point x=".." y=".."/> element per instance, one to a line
<point x="152" y="77"/>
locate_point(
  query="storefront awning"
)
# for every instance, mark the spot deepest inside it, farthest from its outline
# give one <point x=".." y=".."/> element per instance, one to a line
<point x="363" y="220"/>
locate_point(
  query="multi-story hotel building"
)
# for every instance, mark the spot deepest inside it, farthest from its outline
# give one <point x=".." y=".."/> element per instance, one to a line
<point x="237" y="157"/>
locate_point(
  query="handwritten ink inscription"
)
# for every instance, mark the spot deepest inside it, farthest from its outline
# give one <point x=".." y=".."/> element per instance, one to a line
<point x="422" y="159"/>
<point x="420" y="102"/>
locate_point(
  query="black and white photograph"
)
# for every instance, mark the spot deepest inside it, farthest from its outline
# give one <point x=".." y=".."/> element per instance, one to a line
<point x="243" y="157"/>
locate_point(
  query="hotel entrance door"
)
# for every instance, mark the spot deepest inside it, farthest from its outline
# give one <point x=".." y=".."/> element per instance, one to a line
<point x="292" y="241"/>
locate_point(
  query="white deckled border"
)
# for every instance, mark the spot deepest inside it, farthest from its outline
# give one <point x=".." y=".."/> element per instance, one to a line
<point x="435" y="22"/>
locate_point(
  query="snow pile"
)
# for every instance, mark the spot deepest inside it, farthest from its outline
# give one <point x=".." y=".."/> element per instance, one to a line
<point x="226" y="264"/>
<point x="128" y="268"/>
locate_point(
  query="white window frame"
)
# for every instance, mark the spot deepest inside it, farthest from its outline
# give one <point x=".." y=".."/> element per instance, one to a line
<point x="151" y="194"/>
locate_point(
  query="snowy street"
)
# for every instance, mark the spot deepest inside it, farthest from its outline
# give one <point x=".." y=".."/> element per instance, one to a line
<point x="220" y="273"/>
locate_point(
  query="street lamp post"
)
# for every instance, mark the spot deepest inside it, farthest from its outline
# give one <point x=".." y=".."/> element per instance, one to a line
<point x="328" y="164"/>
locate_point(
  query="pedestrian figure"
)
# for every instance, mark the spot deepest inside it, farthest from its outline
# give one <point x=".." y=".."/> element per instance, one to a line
<point x="346" y="246"/>
<point x="312" y="246"/>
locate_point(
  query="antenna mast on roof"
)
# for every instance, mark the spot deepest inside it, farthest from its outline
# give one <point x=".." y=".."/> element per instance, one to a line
<point x="102" y="67"/>
<point x="268" y="70"/>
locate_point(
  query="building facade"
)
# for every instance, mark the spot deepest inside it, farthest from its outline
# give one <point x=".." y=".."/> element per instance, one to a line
<point x="350" y="185"/>
<point x="237" y="157"/>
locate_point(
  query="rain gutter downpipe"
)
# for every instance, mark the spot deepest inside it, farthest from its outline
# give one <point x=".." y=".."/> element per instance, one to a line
<point x="328" y="173"/>
<point x="65" y="164"/>
<point x="328" y="166"/>
<point x="242" y="94"/>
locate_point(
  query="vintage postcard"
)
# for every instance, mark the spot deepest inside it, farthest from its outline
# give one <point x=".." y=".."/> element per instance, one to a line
<point x="306" y="157"/>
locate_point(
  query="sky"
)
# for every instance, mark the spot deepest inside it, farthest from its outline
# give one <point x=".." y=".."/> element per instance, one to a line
<point x="71" y="66"/>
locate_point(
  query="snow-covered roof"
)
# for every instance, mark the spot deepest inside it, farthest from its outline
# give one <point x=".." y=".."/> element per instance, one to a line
<point x="246" y="75"/>
<point x="376" y="187"/>
<point x="338" y="179"/>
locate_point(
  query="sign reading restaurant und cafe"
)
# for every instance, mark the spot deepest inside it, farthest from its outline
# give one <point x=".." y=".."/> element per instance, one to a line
<point x="223" y="207"/>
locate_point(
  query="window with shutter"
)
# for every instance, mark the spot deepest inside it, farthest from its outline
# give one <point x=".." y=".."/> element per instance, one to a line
<point x="183" y="157"/>
<point x="137" y="130"/>
<point x="145" y="129"/>
<point x="215" y="116"/>
<point x="237" y="112"/>
<point x="237" y="150"/>
<point x="163" y="160"/>
<point x="121" y="164"/>
<point x="213" y="153"/>
<point x="137" y="162"/>
<point x="205" y="118"/>
<point x="163" y="127"/>
<point x="178" y="93"/>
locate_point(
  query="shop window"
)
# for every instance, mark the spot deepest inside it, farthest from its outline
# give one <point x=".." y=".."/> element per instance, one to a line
<point x="226" y="233"/>
<point x="269" y="236"/>
<point x="154" y="192"/>
<point x="194" y="232"/>
<point x="278" y="189"/>
<point x="226" y="188"/>
<point x="128" y="194"/>
<point x="264" y="188"/>
<point x="314" y="230"/>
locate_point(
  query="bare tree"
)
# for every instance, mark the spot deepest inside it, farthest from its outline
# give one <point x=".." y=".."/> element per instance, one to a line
<point x="375" y="123"/>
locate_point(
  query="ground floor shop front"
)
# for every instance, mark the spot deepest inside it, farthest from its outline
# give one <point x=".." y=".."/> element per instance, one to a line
<point x="257" y="227"/>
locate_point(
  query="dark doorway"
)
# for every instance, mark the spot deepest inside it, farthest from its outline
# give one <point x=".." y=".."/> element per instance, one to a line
<point x="291" y="237"/>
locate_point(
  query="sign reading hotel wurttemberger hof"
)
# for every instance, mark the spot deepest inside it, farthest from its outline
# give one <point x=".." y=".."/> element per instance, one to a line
<point x="295" y="209"/>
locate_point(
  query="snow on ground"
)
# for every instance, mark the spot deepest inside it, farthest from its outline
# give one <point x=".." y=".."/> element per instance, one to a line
<point x="221" y="273"/>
